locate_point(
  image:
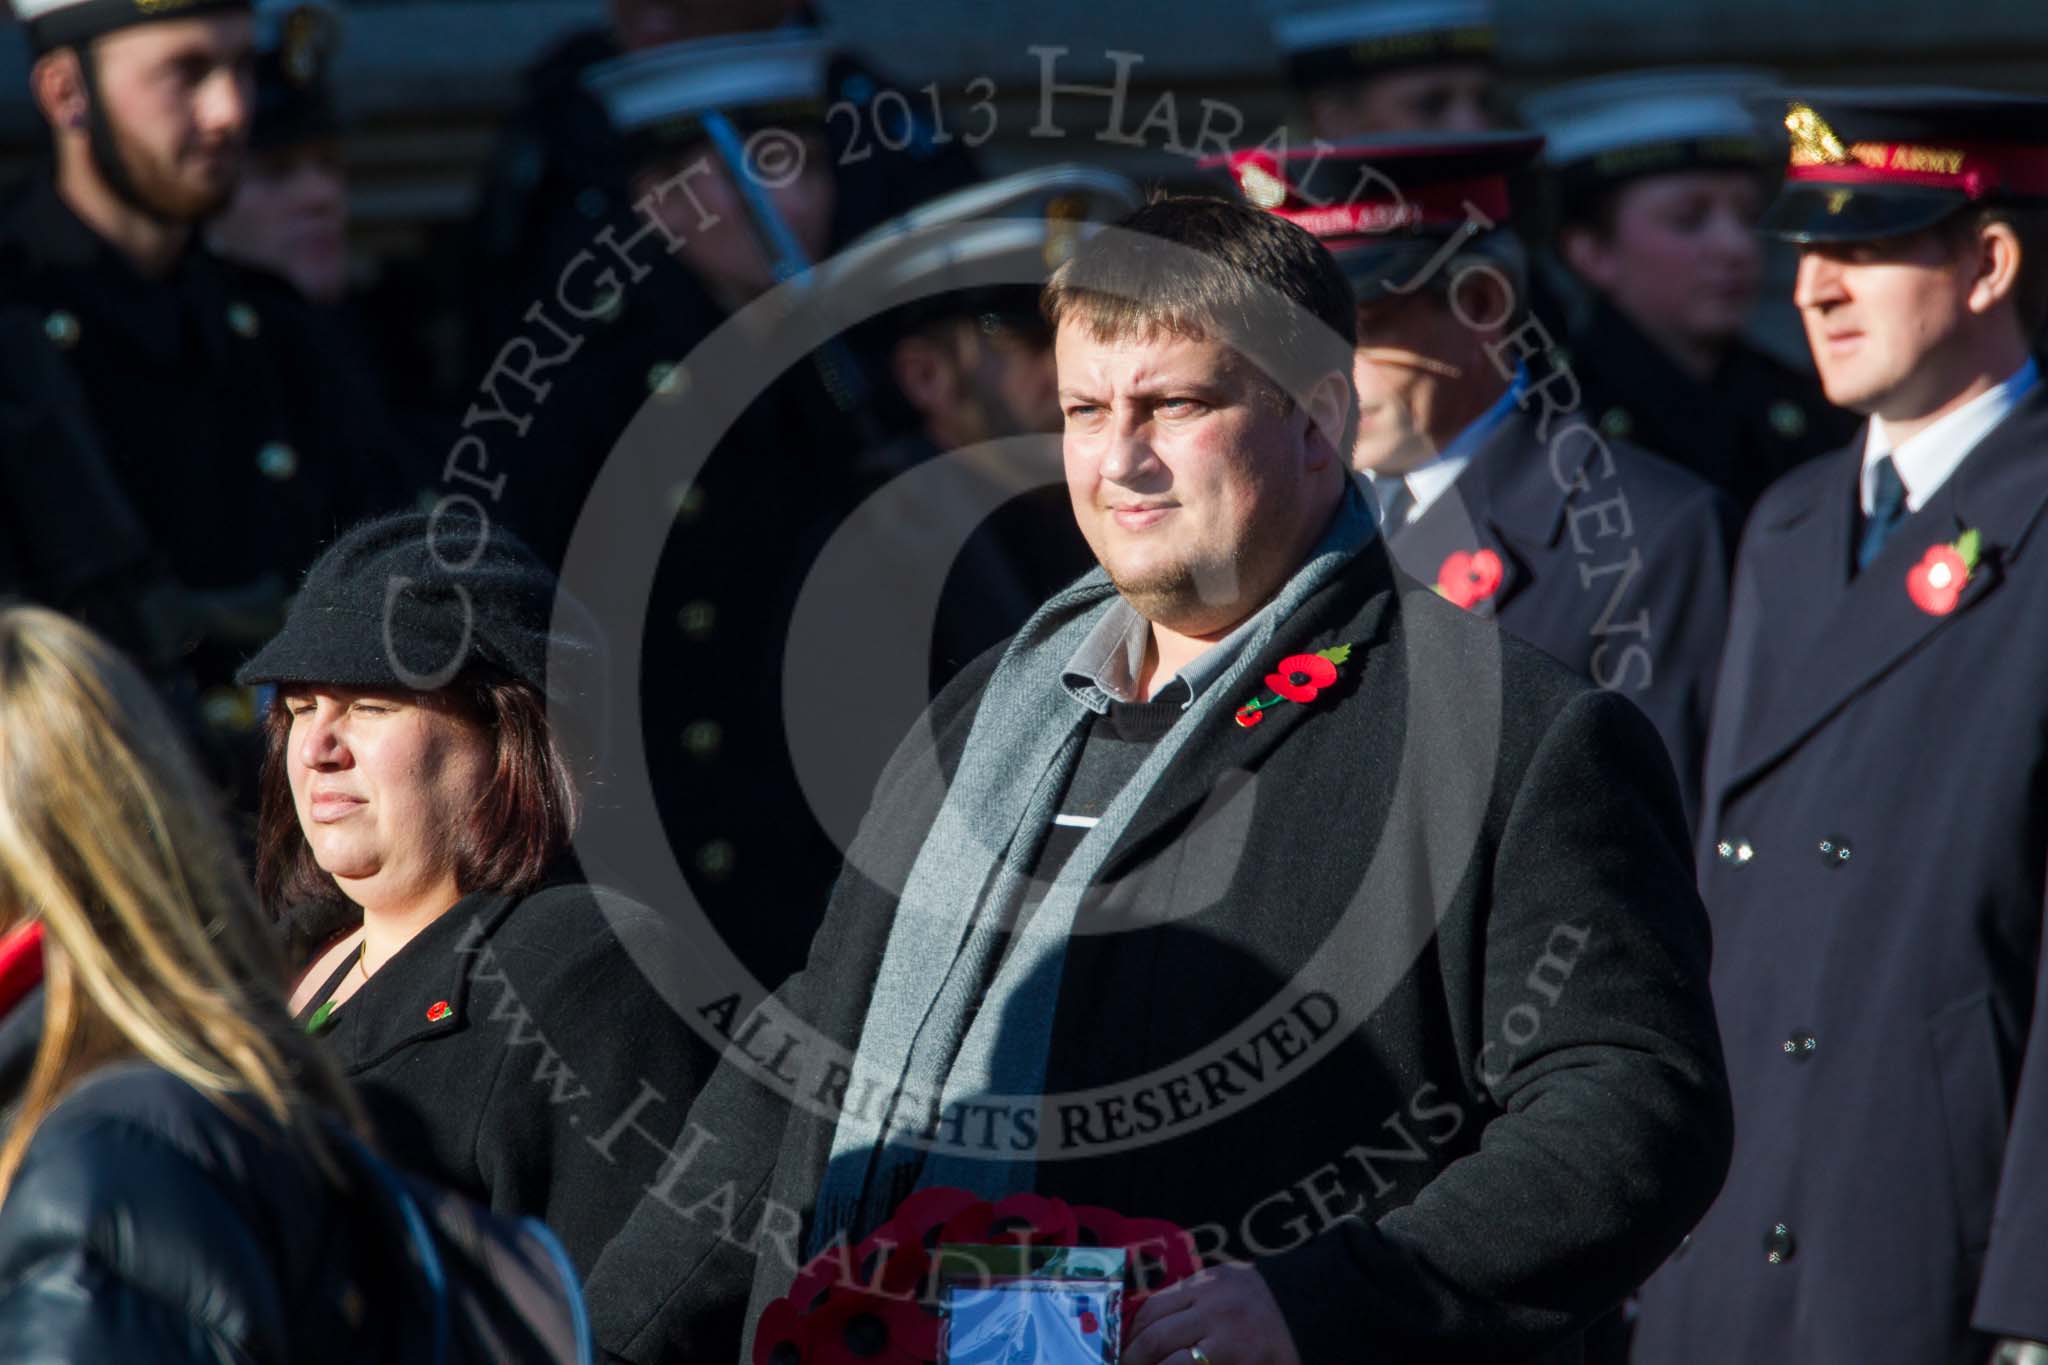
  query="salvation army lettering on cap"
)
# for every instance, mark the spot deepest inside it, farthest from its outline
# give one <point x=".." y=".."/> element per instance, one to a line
<point x="1393" y="210"/>
<point x="1872" y="163"/>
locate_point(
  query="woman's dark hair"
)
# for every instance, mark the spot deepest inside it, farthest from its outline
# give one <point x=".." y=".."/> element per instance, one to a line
<point x="505" y="843"/>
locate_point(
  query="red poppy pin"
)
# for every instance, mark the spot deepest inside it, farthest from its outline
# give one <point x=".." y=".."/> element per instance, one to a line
<point x="1936" y="583"/>
<point x="437" y="1011"/>
<point x="1469" y="577"/>
<point x="1299" y="678"/>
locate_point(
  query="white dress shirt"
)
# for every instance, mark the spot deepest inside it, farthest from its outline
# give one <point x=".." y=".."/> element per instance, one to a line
<point x="1428" y="482"/>
<point x="1925" y="461"/>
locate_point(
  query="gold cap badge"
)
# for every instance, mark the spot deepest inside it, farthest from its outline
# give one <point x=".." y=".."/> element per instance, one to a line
<point x="1813" y="142"/>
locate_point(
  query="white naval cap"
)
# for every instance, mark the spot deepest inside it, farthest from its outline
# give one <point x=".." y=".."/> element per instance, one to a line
<point x="64" y="23"/>
<point x="665" y="90"/>
<point x="1602" y="132"/>
<point x="1338" y="42"/>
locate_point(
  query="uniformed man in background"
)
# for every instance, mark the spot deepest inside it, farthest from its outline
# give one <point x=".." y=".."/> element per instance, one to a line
<point x="289" y="212"/>
<point x="945" y="537"/>
<point x="191" y="414"/>
<point x="972" y="365"/>
<point x="1658" y="180"/>
<point x="714" y="236"/>
<point x="1392" y="66"/>
<point x="562" y="169"/>
<point x="1491" y="483"/>
<point x="290" y="216"/>
<point x="1873" y="845"/>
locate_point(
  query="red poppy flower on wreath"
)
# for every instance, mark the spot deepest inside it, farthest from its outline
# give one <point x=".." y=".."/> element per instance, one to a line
<point x="870" y="1328"/>
<point x="1028" y="1219"/>
<point x="863" y="1304"/>
<point x="1469" y="577"/>
<point x="779" y="1336"/>
<point x="1936" y="583"/>
<point x="1098" y="1227"/>
<point x="922" y="1217"/>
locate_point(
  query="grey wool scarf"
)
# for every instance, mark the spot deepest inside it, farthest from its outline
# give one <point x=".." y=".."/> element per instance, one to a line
<point x="946" y="1022"/>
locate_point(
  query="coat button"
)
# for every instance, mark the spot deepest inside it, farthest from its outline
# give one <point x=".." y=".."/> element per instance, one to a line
<point x="1800" y="1046"/>
<point x="668" y="380"/>
<point x="701" y="739"/>
<point x="716" y="858"/>
<point x="1736" y="851"/>
<point x="686" y="501"/>
<point x="1834" y="850"/>
<point x="229" y="708"/>
<point x="62" y="329"/>
<point x="1779" y="1245"/>
<point x="696" y="619"/>
<point x="242" y="318"/>
<point x="277" y="461"/>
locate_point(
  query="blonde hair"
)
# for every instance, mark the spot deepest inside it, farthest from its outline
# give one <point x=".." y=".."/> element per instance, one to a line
<point x="153" y="942"/>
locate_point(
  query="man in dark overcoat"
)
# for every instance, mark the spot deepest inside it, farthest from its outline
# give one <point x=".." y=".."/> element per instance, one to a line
<point x="1253" y="886"/>
<point x="1873" y="848"/>
<point x="1494" y="484"/>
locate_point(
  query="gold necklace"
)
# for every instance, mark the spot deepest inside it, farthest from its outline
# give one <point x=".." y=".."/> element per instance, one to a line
<point x="363" y="957"/>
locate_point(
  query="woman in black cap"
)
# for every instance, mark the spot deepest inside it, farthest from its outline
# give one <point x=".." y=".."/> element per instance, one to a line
<point x="496" y="1013"/>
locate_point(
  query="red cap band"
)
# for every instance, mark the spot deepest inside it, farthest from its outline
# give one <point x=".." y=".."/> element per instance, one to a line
<point x="1373" y="203"/>
<point x="1974" y="168"/>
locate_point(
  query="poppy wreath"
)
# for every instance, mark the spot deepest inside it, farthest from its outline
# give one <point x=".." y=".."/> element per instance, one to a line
<point x="878" y="1303"/>
<point x="1469" y="577"/>
<point x="1299" y="678"/>
<point x="1936" y="583"/>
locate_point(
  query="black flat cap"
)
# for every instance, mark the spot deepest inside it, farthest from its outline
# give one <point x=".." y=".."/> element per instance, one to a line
<point x="416" y="602"/>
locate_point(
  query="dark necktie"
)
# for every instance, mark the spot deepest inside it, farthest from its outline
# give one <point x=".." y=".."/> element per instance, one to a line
<point x="1887" y="510"/>
<point x="1396" y="502"/>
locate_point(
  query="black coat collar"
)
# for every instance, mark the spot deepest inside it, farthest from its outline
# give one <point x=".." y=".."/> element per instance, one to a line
<point x="1838" y="633"/>
<point x="423" y="991"/>
<point x="1508" y="499"/>
<point x="1355" y="608"/>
